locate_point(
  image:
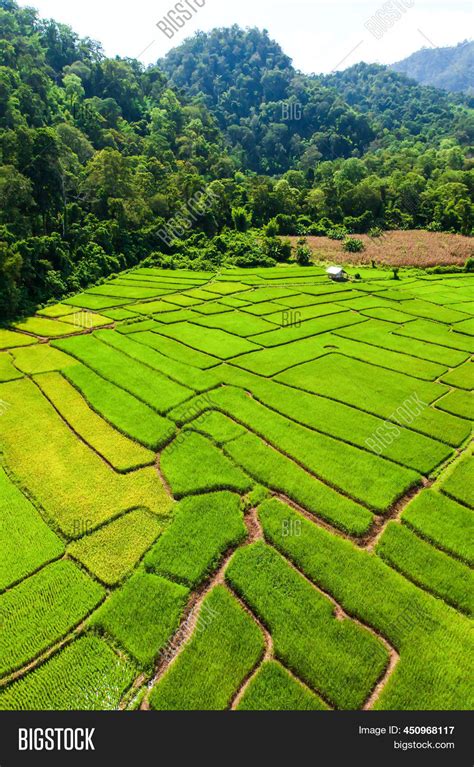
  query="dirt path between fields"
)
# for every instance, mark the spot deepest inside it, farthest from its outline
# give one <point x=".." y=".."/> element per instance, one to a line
<point x="185" y="631"/>
<point x="370" y="542"/>
<point x="190" y="619"/>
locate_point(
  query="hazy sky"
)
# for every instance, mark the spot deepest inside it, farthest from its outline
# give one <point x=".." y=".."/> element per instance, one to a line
<point x="319" y="35"/>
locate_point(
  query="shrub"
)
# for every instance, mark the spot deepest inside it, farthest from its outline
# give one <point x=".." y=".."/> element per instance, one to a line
<point x="375" y="232"/>
<point x="359" y="224"/>
<point x="337" y="233"/>
<point x="271" y="229"/>
<point x="352" y="245"/>
<point x="286" y="224"/>
<point x="303" y="253"/>
<point x="241" y="219"/>
<point x="304" y="225"/>
<point x="321" y="228"/>
<point x="252" y="260"/>
<point x="277" y="249"/>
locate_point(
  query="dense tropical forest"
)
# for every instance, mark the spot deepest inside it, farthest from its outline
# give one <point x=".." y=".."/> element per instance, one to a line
<point x="451" y="68"/>
<point x="99" y="157"/>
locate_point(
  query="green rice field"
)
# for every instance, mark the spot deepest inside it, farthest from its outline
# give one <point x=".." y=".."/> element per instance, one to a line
<point x="250" y="490"/>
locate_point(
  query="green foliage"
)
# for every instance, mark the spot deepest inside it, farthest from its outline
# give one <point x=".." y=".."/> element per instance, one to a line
<point x="352" y="245"/>
<point x="304" y="628"/>
<point x="143" y="615"/>
<point x="274" y="689"/>
<point x="26" y="541"/>
<point x="202" y="529"/>
<point x="240" y="219"/>
<point x="277" y="249"/>
<point x="62" y="597"/>
<point x="443" y="522"/>
<point x="224" y="648"/>
<point x="112" y="552"/>
<point x="105" y="163"/>
<point x="212" y="472"/>
<point x="429" y="568"/>
<point x="337" y="233"/>
<point x="434" y="643"/>
<point x="303" y="253"/>
<point x="85" y="676"/>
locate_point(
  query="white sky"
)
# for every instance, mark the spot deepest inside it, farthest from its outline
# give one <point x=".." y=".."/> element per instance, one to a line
<point x="318" y="35"/>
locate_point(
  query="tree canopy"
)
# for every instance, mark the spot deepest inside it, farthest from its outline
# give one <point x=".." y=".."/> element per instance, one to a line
<point x="99" y="155"/>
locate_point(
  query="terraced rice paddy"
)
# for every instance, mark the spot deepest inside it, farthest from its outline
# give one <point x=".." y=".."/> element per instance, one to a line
<point x="251" y="490"/>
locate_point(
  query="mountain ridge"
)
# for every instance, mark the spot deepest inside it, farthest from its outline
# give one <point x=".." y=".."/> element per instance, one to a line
<point x="450" y="68"/>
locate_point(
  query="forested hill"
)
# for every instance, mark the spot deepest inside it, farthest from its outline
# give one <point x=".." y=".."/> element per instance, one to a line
<point x="97" y="155"/>
<point x="450" y="68"/>
<point x="275" y="117"/>
<point x="400" y="108"/>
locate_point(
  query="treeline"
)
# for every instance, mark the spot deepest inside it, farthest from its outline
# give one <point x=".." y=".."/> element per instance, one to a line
<point x="99" y="156"/>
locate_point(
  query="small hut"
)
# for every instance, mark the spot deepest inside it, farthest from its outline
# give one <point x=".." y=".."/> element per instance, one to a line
<point x="337" y="273"/>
